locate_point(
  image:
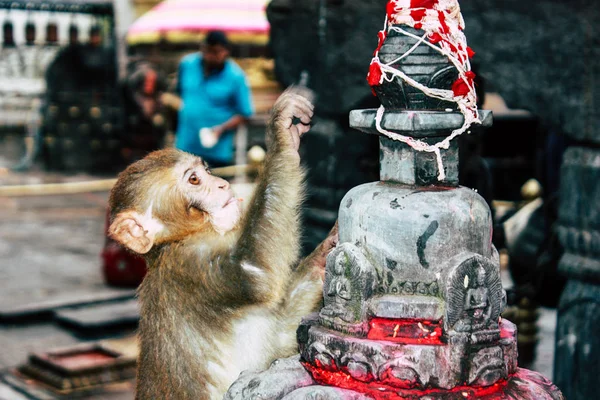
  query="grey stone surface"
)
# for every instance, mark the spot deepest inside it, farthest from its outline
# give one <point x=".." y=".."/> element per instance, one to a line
<point x="417" y="168"/>
<point x="101" y="316"/>
<point x="283" y="377"/>
<point x="422" y="307"/>
<point x="406" y="228"/>
<point x="431" y="127"/>
<point x="416" y="124"/>
<point x="324" y="393"/>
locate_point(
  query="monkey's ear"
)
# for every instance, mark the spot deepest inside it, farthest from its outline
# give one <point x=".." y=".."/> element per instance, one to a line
<point x="135" y="231"/>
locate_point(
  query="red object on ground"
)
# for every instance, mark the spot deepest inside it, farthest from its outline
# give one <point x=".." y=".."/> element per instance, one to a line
<point x="120" y="267"/>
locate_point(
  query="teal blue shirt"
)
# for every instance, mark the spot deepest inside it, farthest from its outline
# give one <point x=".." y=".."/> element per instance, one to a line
<point x="209" y="101"/>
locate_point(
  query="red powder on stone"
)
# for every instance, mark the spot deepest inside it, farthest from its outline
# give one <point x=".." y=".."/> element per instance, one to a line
<point x="406" y="331"/>
<point x="385" y="391"/>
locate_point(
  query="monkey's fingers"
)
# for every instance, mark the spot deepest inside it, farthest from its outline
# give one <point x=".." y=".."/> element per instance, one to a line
<point x="300" y="91"/>
<point x="302" y="128"/>
<point x="295" y="136"/>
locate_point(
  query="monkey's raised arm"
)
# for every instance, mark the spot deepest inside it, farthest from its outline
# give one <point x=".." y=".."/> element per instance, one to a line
<point x="269" y="241"/>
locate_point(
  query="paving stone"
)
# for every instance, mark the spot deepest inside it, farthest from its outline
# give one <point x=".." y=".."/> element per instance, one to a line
<point x="101" y="316"/>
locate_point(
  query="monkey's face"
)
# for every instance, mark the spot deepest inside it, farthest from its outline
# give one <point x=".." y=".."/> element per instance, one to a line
<point x="209" y="194"/>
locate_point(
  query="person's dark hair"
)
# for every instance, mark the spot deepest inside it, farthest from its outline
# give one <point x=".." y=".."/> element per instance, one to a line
<point x="214" y="38"/>
<point x="95" y="30"/>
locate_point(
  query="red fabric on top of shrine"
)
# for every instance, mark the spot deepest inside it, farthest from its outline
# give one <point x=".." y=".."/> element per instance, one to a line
<point x="470" y="52"/>
<point x="460" y="87"/>
<point x="423" y="3"/>
<point x="374" y="75"/>
<point x="435" y="38"/>
<point x="418" y="14"/>
<point x="381" y="35"/>
<point x="390" y="9"/>
<point x="445" y="27"/>
<point x="396" y="389"/>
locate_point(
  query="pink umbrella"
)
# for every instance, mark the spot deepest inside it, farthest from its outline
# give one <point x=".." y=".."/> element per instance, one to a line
<point x="179" y="21"/>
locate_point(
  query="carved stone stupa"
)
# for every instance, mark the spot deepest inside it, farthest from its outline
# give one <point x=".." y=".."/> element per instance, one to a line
<point x="412" y="292"/>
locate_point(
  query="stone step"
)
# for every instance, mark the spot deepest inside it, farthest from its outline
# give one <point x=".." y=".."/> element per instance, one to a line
<point x="46" y="306"/>
<point x="101" y="316"/>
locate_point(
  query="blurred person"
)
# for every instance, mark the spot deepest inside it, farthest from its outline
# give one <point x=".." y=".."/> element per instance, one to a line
<point x="215" y="98"/>
<point x="145" y="124"/>
<point x="73" y="35"/>
<point x="95" y="39"/>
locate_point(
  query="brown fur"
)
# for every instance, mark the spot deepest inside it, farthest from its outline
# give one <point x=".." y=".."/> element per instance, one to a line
<point x="206" y="293"/>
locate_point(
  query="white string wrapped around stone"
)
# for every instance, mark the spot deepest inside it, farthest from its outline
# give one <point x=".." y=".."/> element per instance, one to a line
<point x="430" y="23"/>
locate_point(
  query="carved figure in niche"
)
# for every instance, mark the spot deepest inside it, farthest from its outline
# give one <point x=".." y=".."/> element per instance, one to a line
<point x="349" y="279"/>
<point x="477" y="307"/>
<point x="339" y="289"/>
<point x="473" y="295"/>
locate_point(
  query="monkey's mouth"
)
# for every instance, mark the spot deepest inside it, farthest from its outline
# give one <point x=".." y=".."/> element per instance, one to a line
<point x="230" y="201"/>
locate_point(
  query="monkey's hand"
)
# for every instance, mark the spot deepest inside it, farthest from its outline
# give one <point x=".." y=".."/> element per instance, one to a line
<point x="292" y="114"/>
<point x="317" y="260"/>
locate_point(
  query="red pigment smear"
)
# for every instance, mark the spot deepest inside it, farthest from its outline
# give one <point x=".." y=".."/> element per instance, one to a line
<point x="374" y="75"/>
<point x="505" y="332"/>
<point x="406" y="331"/>
<point x="385" y="391"/>
<point x="423" y="3"/>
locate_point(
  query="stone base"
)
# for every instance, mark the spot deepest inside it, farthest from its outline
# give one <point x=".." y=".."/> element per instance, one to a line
<point x="409" y="363"/>
<point x="287" y="379"/>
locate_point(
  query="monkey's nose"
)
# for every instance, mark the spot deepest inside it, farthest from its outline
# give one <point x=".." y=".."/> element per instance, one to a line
<point x="224" y="184"/>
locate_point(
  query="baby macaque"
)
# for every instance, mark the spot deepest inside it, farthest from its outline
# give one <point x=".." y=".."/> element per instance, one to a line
<point x="223" y="293"/>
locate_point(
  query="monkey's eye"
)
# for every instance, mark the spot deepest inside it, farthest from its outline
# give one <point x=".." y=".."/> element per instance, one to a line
<point x="193" y="179"/>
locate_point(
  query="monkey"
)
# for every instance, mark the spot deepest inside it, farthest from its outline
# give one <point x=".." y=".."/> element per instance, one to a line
<point x="221" y="294"/>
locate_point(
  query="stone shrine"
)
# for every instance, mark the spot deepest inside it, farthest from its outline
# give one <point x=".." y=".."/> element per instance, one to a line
<point x="412" y="292"/>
